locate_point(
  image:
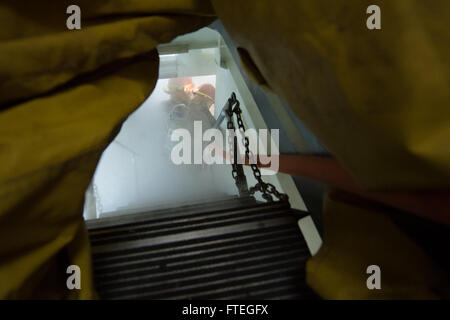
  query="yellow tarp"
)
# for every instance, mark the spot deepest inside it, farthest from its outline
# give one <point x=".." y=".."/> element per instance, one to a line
<point x="377" y="99"/>
<point x="380" y="102"/>
<point x="51" y="136"/>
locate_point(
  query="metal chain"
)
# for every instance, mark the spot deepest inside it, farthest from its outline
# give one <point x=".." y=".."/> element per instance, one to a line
<point x="237" y="171"/>
<point x="267" y="189"/>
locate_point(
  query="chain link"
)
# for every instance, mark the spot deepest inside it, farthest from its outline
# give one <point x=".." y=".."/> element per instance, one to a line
<point x="266" y="189"/>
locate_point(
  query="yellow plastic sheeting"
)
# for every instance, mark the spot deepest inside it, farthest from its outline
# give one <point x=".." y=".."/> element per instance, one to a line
<point x="378" y="99"/>
<point x="63" y="97"/>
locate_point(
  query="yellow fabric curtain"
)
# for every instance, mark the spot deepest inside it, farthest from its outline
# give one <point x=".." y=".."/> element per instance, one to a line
<point x="378" y="99"/>
<point x="63" y="97"/>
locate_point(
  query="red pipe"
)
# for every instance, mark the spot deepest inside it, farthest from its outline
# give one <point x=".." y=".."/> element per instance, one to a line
<point x="429" y="204"/>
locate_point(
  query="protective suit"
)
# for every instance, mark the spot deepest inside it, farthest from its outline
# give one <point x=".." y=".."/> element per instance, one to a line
<point x="377" y="99"/>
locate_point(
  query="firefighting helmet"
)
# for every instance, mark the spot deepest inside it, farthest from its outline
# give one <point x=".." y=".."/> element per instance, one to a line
<point x="179" y="85"/>
<point x="206" y="90"/>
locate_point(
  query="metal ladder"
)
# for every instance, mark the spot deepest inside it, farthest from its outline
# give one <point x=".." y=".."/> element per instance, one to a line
<point x="232" y="249"/>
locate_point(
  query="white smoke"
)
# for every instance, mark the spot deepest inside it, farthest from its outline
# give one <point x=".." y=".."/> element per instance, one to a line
<point x="135" y="171"/>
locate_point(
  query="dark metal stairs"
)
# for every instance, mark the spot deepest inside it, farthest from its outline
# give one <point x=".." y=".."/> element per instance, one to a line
<point x="231" y="249"/>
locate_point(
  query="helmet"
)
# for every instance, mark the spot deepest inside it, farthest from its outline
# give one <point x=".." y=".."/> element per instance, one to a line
<point x="180" y="90"/>
<point x="207" y="91"/>
<point x="179" y="84"/>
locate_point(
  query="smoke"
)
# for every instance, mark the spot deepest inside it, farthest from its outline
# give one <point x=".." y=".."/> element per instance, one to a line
<point x="136" y="173"/>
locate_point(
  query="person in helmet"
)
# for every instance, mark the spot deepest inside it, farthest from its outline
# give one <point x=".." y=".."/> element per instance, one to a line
<point x="204" y="96"/>
<point x="194" y="105"/>
<point x="201" y="103"/>
<point x="180" y="90"/>
<point x="198" y="109"/>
